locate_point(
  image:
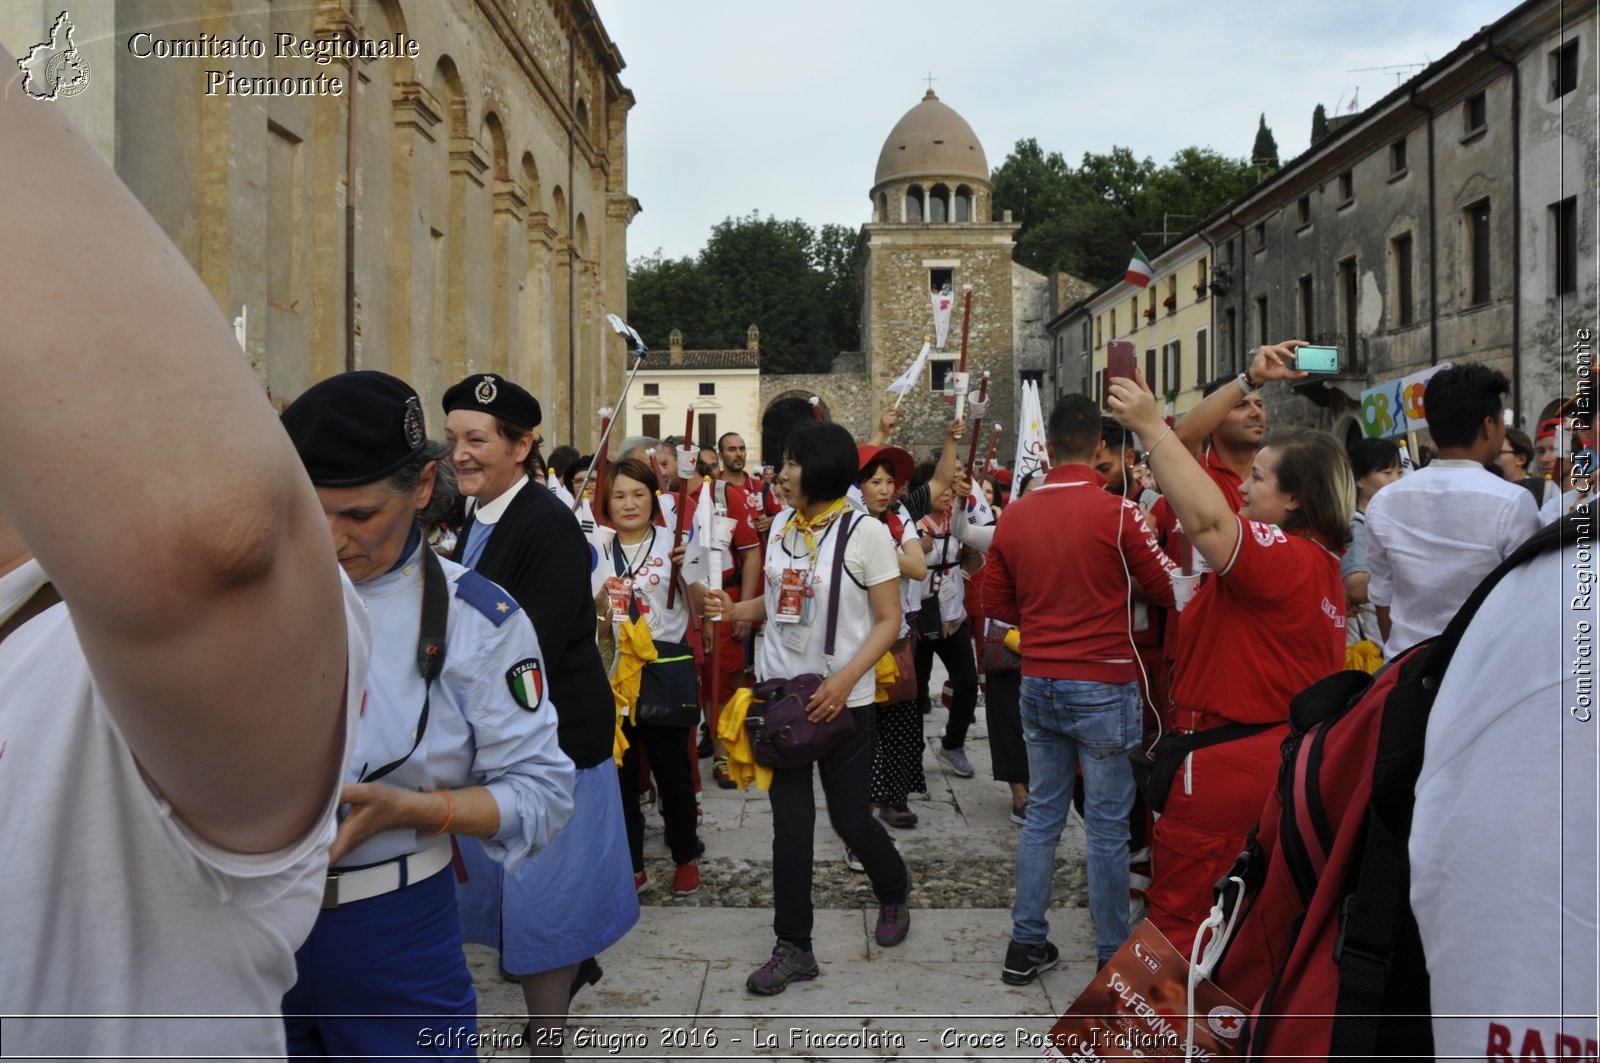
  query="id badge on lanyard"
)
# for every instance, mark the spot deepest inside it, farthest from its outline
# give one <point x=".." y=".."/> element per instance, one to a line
<point x="619" y="590"/>
<point x="794" y="598"/>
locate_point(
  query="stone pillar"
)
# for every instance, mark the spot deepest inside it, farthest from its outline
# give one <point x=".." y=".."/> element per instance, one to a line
<point x="416" y="116"/>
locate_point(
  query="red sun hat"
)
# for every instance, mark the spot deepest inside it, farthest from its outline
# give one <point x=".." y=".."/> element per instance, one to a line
<point x="1548" y="428"/>
<point x="901" y="463"/>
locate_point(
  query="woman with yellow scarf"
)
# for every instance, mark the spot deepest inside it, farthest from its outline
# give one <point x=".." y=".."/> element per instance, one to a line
<point x="819" y="468"/>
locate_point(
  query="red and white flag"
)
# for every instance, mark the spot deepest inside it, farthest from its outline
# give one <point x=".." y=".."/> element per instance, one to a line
<point x="943" y="300"/>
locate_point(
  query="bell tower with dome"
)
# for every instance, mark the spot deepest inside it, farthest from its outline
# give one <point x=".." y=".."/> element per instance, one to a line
<point x="932" y="224"/>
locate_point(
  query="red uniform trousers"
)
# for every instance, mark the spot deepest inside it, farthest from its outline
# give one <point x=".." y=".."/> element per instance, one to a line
<point x="1201" y="833"/>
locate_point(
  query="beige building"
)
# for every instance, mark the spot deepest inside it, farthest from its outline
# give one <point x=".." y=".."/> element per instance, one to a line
<point x="450" y="198"/>
<point x="723" y="387"/>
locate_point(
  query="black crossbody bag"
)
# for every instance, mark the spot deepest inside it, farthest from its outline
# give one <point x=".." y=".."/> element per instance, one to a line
<point x="669" y="687"/>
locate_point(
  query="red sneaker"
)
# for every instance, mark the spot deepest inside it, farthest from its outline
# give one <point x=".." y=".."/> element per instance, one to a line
<point x="641" y="881"/>
<point x="686" y="880"/>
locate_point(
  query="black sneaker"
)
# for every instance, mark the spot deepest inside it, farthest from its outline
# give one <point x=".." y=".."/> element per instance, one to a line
<point x="1025" y="962"/>
<point x="703" y="749"/>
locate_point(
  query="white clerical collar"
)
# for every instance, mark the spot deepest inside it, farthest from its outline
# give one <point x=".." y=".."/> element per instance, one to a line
<point x="491" y="512"/>
<point x="19" y="585"/>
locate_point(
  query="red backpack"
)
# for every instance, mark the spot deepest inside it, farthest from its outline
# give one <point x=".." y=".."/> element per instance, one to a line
<point x="1326" y="952"/>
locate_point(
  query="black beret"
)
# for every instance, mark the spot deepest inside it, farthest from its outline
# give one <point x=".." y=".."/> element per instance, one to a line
<point x="356" y="428"/>
<point x="493" y="394"/>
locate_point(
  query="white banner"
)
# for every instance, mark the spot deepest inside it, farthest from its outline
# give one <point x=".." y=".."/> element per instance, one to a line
<point x="1030" y="439"/>
<point x="943" y="300"/>
<point x="698" y="565"/>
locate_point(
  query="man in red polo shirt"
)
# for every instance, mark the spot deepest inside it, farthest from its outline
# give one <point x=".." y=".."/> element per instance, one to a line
<point x="733" y="455"/>
<point x="1062" y="569"/>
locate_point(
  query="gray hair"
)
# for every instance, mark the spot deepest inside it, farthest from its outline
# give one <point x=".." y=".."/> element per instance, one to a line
<point x="633" y="443"/>
<point x="405" y="480"/>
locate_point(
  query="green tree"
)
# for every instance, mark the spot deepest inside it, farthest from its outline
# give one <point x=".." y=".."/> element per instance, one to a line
<point x="1319" y="123"/>
<point x="796" y="284"/>
<point x="1083" y="220"/>
<point x="1264" y="152"/>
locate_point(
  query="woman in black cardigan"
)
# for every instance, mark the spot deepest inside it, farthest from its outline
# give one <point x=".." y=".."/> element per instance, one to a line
<point x="576" y="897"/>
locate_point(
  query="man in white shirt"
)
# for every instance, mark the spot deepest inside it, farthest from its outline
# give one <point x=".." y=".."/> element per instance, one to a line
<point x="1432" y="535"/>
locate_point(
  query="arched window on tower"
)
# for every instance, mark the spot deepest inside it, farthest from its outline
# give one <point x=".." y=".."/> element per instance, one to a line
<point x="914" y="204"/>
<point x="939" y="204"/>
<point x="883" y="206"/>
<point x="963" y="203"/>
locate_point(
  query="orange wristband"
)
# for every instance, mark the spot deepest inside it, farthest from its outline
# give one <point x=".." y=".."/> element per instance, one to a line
<point x="450" y="813"/>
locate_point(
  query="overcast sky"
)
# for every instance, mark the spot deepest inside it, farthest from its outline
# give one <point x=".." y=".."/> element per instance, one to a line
<point x="782" y="108"/>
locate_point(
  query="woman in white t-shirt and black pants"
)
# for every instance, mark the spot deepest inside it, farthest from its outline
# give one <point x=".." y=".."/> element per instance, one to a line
<point x="819" y="467"/>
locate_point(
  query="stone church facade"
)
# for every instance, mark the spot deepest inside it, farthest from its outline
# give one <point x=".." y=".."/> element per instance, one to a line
<point x="460" y="210"/>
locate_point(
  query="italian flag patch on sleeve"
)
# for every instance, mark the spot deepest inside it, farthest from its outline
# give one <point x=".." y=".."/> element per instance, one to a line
<point x="527" y="683"/>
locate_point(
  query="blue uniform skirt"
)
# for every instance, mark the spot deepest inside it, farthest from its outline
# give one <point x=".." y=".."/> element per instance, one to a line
<point x="572" y="900"/>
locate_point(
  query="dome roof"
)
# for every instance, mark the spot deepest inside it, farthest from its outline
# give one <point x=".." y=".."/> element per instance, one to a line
<point x="931" y="140"/>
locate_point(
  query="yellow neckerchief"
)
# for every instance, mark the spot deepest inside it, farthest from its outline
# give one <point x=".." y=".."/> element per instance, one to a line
<point x="742" y="766"/>
<point x="810" y="528"/>
<point x="635" y="649"/>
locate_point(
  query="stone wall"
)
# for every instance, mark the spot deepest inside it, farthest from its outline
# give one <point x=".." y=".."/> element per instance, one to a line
<point x="897" y="315"/>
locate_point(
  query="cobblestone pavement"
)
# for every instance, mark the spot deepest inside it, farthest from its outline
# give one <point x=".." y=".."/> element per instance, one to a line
<point x="675" y="984"/>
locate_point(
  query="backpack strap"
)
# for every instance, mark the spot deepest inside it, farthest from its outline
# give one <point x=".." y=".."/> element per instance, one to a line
<point x="1375" y="920"/>
<point x="845" y="524"/>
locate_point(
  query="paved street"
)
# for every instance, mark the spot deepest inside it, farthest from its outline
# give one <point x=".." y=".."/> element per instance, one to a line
<point x="674" y="987"/>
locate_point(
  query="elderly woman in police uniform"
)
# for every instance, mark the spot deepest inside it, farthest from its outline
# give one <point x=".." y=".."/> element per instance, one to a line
<point x="455" y="736"/>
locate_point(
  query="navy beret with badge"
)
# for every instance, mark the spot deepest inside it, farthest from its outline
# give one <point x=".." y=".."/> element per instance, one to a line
<point x="496" y="396"/>
<point x="356" y="428"/>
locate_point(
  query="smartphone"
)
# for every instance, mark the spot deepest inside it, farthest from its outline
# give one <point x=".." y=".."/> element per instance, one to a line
<point x="1317" y="359"/>
<point x="1119" y="359"/>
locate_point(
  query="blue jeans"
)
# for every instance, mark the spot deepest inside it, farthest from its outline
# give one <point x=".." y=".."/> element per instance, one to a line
<point x="1065" y="721"/>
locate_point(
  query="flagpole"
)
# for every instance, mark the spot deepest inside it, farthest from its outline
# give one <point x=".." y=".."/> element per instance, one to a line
<point x="683" y="505"/>
<point x="594" y="483"/>
<point x="994" y="441"/>
<point x="714" y="650"/>
<point x="621" y="328"/>
<point x="979" y="405"/>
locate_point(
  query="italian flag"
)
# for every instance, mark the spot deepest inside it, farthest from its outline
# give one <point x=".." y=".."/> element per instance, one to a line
<point x="1140" y="271"/>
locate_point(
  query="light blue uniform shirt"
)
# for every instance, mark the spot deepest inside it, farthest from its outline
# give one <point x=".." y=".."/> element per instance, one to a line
<point x="478" y="734"/>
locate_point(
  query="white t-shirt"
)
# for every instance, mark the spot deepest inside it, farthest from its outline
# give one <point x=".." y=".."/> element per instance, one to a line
<point x="910" y="589"/>
<point x="647" y="569"/>
<point x="1503" y="878"/>
<point x="947" y="583"/>
<point x="112" y="906"/>
<point x="1432" y="535"/>
<point x="869" y="559"/>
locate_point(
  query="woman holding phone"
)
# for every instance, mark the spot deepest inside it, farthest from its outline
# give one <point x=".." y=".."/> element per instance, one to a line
<point x="1268" y="624"/>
